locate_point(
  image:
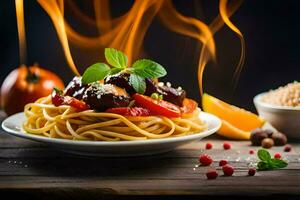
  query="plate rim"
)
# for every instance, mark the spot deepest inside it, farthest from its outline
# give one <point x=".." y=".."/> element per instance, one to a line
<point x="23" y="134"/>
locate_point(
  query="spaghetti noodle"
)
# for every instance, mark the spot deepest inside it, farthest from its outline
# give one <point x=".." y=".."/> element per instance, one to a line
<point x="115" y="103"/>
<point x="43" y="118"/>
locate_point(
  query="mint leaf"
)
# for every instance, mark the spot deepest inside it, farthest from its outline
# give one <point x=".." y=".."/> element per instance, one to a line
<point x="278" y="163"/>
<point x="95" y="72"/>
<point x="262" y="165"/>
<point x="148" y="69"/>
<point x="115" y="58"/>
<point x="138" y="83"/>
<point x="264" y="155"/>
<point x="268" y="163"/>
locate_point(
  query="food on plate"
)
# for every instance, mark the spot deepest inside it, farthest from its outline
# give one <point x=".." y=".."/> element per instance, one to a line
<point x="236" y="122"/>
<point x="27" y="84"/>
<point x="115" y="103"/>
<point x="288" y="95"/>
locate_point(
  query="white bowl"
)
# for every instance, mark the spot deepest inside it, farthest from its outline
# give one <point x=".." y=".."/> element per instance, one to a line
<point x="285" y="119"/>
<point x="13" y="125"/>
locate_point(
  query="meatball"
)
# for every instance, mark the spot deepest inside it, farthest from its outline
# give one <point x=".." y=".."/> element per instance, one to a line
<point x="75" y="88"/>
<point x="175" y="96"/>
<point x="121" y="80"/>
<point x="170" y="94"/>
<point x="151" y="87"/>
<point x="100" y="97"/>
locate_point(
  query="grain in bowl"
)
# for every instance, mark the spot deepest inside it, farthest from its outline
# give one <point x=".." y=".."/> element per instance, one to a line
<point x="288" y="95"/>
<point x="281" y="108"/>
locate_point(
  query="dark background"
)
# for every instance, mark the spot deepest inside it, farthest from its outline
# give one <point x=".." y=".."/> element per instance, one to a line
<point x="271" y="31"/>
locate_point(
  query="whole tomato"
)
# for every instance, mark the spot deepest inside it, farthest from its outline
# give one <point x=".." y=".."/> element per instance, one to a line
<point x="25" y="85"/>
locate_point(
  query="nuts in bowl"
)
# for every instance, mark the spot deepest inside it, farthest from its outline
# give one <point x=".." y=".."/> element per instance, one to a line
<point x="281" y="108"/>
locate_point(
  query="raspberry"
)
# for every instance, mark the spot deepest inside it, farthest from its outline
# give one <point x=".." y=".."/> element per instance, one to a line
<point x="251" y="151"/>
<point x="277" y="155"/>
<point x="208" y="146"/>
<point x="251" y="171"/>
<point x="287" y="148"/>
<point x="223" y="162"/>
<point x="226" y="145"/>
<point x="212" y="174"/>
<point x="205" y="160"/>
<point x="228" y="170"/>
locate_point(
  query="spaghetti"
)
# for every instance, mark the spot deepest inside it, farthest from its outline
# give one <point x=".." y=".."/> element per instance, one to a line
<point x="43" y="118"/>
<point x="115" y="103"/>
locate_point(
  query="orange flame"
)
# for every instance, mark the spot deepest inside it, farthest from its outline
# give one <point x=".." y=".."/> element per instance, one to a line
<point x="55" y="11"/>
<point x="127" y="32"/>
<point x="225" y="16"/>
<point x="21" y="30"/>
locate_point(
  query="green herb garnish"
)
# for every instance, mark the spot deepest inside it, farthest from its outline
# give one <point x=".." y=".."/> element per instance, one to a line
<point x="267" y="162"/>
<point x="140" y="70"/>
<point x="138" y="83"/>
<point x="148" y="69"/>
<point x="57" y="90"/>
<point x="115" y="58"/>
<point x="95" y="72"/>
<point x="156" y="96"/>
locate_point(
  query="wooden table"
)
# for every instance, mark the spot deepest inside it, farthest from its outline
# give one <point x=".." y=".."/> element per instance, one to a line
<point x="32" y="169"/>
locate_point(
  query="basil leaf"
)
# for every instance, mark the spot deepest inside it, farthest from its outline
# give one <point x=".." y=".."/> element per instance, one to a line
<point x="138" y="83"/>
<point x="278" y="163"/>
<point x="263" y="155"/>
<point x="263" y="166"/>
<point x="148" y="69"/>
<point x="57" y="90"/>
<point x="115" y="58"/>
<point x="115" y="71"/>
<point x="95" y="72"/>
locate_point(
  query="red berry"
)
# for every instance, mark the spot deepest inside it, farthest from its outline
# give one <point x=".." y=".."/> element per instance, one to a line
<point x="205" y="160"/>
<point x="251" y="151"/>
<point x="228" y="170"/>
<point x="277" y="155"/>
<point x="251" y="171"/>
<point x="287" y="148"/>
<point x="208" y="146"/>
<point x="226" y="145"/>
<point x="223" y="162"/>
<point x="212" y="174"/>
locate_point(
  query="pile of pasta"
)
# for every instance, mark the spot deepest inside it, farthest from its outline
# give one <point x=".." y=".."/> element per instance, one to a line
<point x="45" y="119"/>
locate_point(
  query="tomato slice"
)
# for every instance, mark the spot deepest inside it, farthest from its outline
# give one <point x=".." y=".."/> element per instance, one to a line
<point x="188" y="106"/>
<point x="127" y="111"/>
<point x="58" y="99"/>
<point x="157" y="107"/>
<point x="75" y="103"/>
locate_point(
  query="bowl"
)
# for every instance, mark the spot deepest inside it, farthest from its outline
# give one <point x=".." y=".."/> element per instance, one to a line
<point x="285" y="119"/>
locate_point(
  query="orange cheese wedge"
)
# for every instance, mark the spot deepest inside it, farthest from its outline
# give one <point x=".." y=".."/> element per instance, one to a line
<point x="236" y="122"/>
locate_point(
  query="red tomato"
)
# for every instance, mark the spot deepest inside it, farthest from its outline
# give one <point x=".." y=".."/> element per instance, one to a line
<point x="21" y="87"/>
<point x="126" y="111"/>
<point x="188" y="106"/>
<point x="157" y="107"/>
<point x="75" y="103"/>
<point x="58" y="100"/>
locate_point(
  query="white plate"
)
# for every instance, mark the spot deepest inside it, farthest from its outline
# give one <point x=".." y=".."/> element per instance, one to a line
<point x="13" y="125"/>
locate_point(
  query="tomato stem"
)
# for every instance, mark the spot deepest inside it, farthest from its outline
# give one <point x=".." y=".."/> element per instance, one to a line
<point x="31" y="76"/>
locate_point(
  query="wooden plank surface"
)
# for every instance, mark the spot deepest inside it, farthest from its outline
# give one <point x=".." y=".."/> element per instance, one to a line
<point x="32" y="166"/>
